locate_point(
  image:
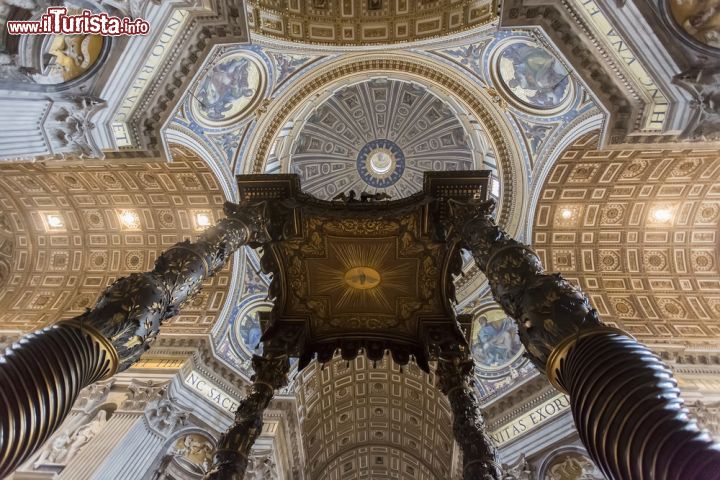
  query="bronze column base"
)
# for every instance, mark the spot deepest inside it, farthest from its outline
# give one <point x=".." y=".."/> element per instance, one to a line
<point x="628" y="410"/>
<point x="40" y="377"/>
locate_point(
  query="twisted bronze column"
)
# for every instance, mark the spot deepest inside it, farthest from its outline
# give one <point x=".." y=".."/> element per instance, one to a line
<point x="231" y="456"/>
<point x="625" y="402"/>
<point x="480" y="460"/>
<point x="42" y="374"/>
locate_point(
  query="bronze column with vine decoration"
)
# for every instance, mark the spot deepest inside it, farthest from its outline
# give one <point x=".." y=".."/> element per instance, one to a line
<point x="625" y="401"/>
<point x="42" y="374"/>
<point x="480" y="458"/>
<point x="231" y="456"/>
<point x="230" y="459"/>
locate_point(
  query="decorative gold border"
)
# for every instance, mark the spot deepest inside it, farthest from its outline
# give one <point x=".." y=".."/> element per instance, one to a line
<point x="352" y="30"/>
<point x="562" y="350"/>
<point x="101" y="340"/>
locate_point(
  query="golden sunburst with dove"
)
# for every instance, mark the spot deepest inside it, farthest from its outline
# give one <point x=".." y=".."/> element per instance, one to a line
<point x="363" y="275"/>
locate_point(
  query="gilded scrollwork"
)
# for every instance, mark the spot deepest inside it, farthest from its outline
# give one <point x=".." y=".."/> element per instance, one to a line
<point x="362" y="227"/>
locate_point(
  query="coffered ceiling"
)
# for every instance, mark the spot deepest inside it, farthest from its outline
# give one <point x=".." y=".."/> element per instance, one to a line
<point x="363" y="22"/>
<point x="361" y="420"/>
<point x="67" y="232"/>
<point x="379" y="135"/>
<point x="639" y="231"/>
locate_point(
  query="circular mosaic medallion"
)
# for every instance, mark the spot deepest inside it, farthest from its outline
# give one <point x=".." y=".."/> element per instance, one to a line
<point x="495" y="342"/>
<point x="230" y="90"/>
<point x="534" y="78"/>
<point x="381" y="163"/>
<point x="697" y="19"/>
<point x="250" y="332"/>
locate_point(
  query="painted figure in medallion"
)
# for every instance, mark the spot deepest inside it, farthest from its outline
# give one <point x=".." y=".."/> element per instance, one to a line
<point x="534" y="75"/>
<point x="250" y="331"/>
<point x="496" y="342"/>
<point x="227" y="83"/>
<point x="698" y="18"/>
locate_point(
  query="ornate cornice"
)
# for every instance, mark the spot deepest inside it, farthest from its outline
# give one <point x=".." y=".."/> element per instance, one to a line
<point x="225" y="24"/>
<point x="342" y="24"/>
<point x="564" y="34"/>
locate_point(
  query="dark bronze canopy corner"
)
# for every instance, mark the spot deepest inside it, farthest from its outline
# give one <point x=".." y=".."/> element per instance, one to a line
<point x="363" y="272"/>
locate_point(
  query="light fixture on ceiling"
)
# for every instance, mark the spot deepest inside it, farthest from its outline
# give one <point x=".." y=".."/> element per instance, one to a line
<point x="566" y="213"/>
<point x="202" y="220"/>
<point x="662" y="214"/>
<point x="130" y="219"/>
<point x="54" y="221"/>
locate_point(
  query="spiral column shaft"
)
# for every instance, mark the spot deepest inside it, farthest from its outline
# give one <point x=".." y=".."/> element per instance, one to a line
<point x="629" y="413"/>
<point x="231" y="455"/>
<point x="42" y="374"/>
<point x="40" y="377"/>
<point x="625" y="402"/>
<point x="480" y="458"/>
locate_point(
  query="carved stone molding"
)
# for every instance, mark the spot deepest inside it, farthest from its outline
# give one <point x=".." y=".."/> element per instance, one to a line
<point x="225" y="23"/>
<point x="520" y="470"/>
<point x="708" y="416"/>
<point x="69" y="128"/>
<point x="261" y="466"/>
<point x="704" y="84"/>
<point x="140" y="394"/>
<point x="164" y="416"/>
<point x="93" y="396"/>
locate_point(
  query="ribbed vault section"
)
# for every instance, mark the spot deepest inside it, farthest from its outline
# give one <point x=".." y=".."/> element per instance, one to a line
<point x="379" y="135"/>
<point x="66" y="232"/>
<point x="640" y="232"/>
<point x="367" y="422"/>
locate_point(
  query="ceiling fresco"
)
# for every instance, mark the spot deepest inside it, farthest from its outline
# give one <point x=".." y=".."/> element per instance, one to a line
<point x="367" y="95"/>
<point x="274" y="133"/>
<point x="529" y="80"/>
<point x="534" y="77"/>
<point x="378" y="133"/>
<point x="497" y="351"/>
<point x="229" y="90"/>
